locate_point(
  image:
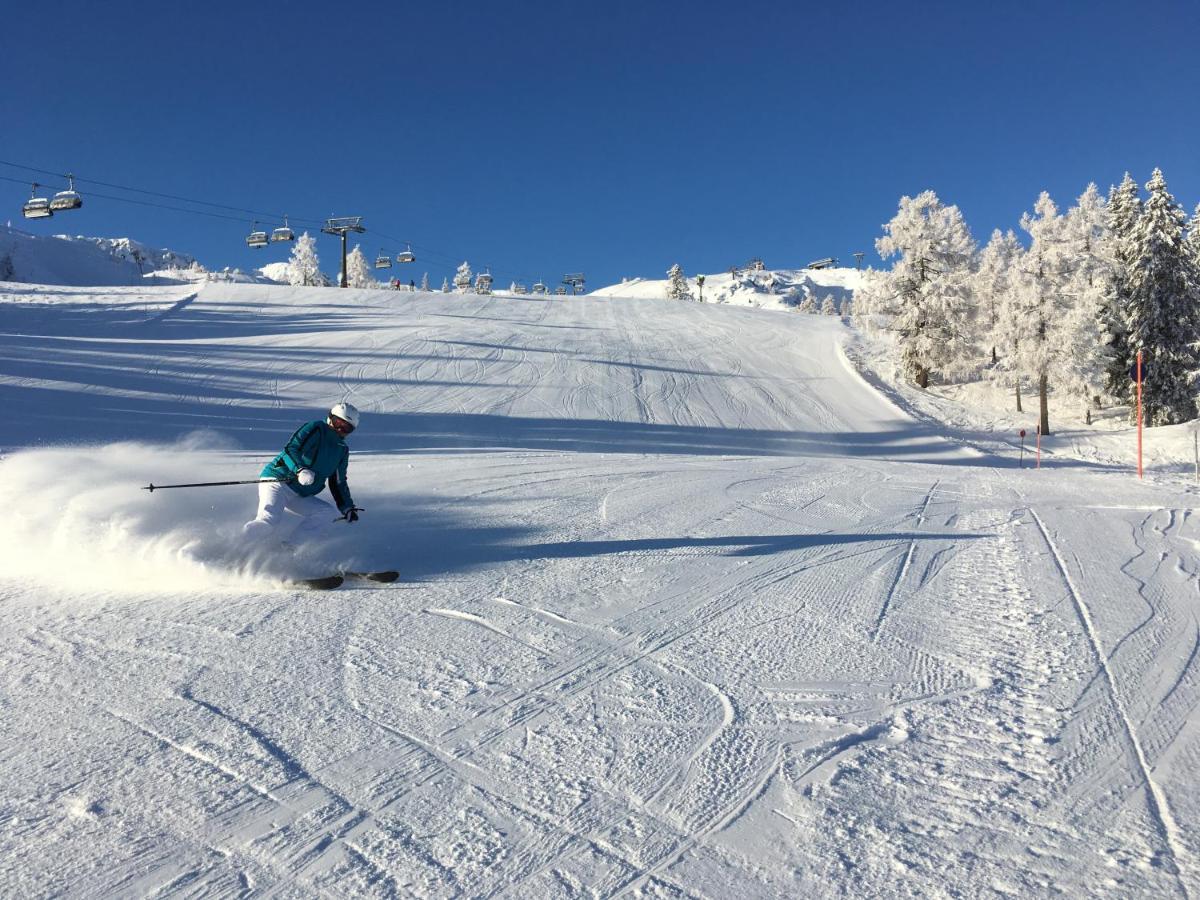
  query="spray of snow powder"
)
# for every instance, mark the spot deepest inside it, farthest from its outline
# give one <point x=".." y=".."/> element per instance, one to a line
<point x="77" y="517"/>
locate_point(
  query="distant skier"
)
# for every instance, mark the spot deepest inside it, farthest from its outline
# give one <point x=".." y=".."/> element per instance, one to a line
<point x="315" y="455"/>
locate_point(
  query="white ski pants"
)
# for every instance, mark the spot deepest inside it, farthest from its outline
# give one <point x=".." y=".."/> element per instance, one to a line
<point x="274" y="499"/>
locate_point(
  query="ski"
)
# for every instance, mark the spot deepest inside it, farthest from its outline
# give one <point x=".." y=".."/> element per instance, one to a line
<point x="386" y="576"/>
<point x="328" y="583"/>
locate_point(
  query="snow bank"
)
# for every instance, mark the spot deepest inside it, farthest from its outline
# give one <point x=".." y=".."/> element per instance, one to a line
<point x="78" y="519"/>
<point x="771" y="289"/>
<point x="64" y="260"/>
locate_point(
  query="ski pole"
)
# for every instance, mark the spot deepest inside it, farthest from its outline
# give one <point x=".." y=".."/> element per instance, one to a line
<point x="162" y="487"/>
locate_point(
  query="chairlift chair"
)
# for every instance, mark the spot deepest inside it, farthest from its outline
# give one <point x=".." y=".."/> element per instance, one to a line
<point x="406" y="256"/>
<point x="256" y="238"/>
<point x="383" y="261"/>
<point x="283" y="233"/>
<point x="67" y="199"/>
<point x="36" y="207"/>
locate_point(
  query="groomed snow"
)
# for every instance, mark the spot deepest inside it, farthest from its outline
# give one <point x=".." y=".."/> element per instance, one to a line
<point x="688" y="608"/>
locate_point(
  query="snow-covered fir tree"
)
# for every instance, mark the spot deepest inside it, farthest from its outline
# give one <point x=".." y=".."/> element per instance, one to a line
<point x="1016" y="318"/>
<point x="1124" y="210"/>
<point x="928" y="292"/>
<point x="425" y="282"/>
<point x="827" y="306"/>
<point x="1048" y="267"/>
<point x="872" y="299"/>
<point x="304" y="269"/>
<point x="358" y="270"/>
<point x="993" y="283"/>
<point x="807" y="305"/>
<point x="1163" y="313"/>
<point x="677" y="285"/>
<point x="1192" y="240"/>
<point x="445" y="285"/>
<point x="1084" y="354"/>
<point x="463" y="277"/>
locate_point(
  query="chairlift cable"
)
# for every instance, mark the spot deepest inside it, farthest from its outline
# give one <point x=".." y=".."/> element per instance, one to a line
<point x="121" y="187"/>
<point x="434" y="255"/>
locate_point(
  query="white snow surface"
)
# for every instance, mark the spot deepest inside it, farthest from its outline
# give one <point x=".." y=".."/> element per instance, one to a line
<point x="689" y="608"/>
<point x="65" y="260"/>
<point x="768" y="289"/>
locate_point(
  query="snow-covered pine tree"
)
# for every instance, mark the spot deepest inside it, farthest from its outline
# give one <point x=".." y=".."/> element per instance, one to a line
<point x="872" y="300"/>
<point x="807" y="305"/>
<point x="304" y="269"/>
<point x="929" y="293"/>
<point x="1045" y="297"/>
<point x="358" y="270"/>
<point x="1192" y="241"/>
<point x="1124" y="210"/>
<point x="1084" y="353"/>
<point x="445" y="285"/>
<point x="993" y="283"/>
<point x="1163" y="319"/>
<point x="425" y="282"/>
<point x="677" y="286"/>
<point x="463" y="278"/>
<point x="1016" y="319"/>
<point x="827" y="306"/>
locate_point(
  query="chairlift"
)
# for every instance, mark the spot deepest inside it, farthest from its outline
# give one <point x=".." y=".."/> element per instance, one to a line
<point x="256" y="238"/>
<point x="283" y="233"/>
<point x="406" y="256"/>
<point x="67" y="199"/>
<point x="36" y="207"/>
<point x="383" y="261"/>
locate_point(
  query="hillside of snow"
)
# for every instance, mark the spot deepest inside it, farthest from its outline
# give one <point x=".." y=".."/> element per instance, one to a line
<point x="81" y="261"/>
<point x="768" y="289"/>
<point x="690" y="605"/>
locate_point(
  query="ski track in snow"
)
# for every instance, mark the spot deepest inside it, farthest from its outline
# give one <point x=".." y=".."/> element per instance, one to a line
<point x="688" y="609"/>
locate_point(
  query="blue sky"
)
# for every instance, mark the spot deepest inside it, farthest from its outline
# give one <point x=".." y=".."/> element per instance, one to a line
<point x="612" y="138"/>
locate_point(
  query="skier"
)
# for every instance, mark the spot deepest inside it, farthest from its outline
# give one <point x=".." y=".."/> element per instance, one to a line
<point x="315" y="454"/>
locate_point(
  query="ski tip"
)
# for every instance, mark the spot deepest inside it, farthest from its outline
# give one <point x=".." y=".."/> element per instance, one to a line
<point x="387" y="576"/>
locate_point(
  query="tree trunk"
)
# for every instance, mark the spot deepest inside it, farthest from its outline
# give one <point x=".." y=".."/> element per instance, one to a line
<point x="922" y="377"/>
<point x="1019" y="407"/>
<point x="994" y="358"/>
<point x="1043" y="409"/>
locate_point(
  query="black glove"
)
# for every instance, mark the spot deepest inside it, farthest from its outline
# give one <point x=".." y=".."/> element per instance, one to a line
<point x="351" y="514"/>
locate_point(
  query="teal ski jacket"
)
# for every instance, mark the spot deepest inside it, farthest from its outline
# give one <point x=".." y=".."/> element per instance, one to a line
<point x="318" y="447"/>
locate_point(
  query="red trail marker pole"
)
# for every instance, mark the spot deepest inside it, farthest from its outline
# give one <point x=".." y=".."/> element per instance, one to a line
<point x="1139" y="411"/>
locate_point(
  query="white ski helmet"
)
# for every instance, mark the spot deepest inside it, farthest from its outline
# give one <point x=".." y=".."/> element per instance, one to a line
<point x="347" y="412"/>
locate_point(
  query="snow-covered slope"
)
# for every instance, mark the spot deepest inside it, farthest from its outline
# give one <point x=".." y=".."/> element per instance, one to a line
<point x="770" y="289"/>
<point x="688" y="609"/>
<point x="65" y="260"/>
